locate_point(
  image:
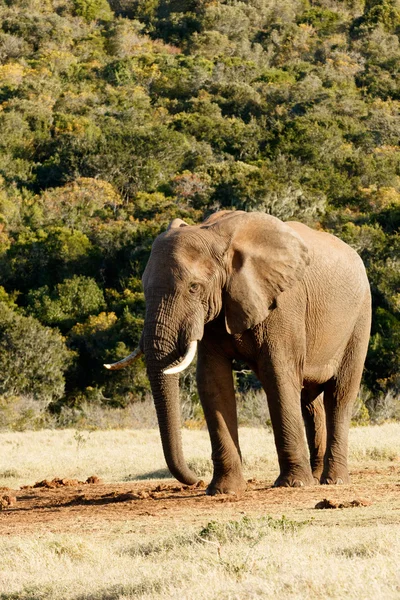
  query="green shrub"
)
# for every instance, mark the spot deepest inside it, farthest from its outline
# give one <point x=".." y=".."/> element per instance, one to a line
<point x="322" y="19"/>
<point x="111" y="127"/>
<point x="383" y="360"/>
<point x="385" y="12"/>
<point x="92" y="10"/>
<point x="71" y="301"/>
<point x="33" y="358"/>
<point x="248" y="528"/>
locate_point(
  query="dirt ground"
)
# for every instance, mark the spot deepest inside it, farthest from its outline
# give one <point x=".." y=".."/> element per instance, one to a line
<point x="69" y="505"/>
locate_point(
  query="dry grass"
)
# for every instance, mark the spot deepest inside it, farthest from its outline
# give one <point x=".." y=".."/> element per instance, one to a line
<point x="313" y="562"/>
<point x="116" y="455"/>
<point x="336" y="555"/>
<point x="124" y="455"/>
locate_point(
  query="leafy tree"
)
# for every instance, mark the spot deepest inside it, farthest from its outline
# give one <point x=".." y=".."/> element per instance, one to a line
<point x="323" y="20"/>
<point x="33" y="358"/>
<point x="384" y="12"/>
<point x="384" y="354"/>
<point x="40" y="257"/>
<point x="98" y="340"/>
<point x="77" y="203"/>
<point x="93" y="9"/>
<point x="111" y="126"/>
<point x="72" y="301"/>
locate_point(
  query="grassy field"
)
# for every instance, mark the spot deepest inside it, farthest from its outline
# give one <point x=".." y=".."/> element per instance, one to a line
<point x="250" y="549"/>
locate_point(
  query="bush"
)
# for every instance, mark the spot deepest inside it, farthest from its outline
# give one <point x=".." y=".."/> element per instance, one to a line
<point x="45" y="257"/>
<point x="93" y="9"/>
<point x="33" y="358"/>
<point x="384" y="12"/>
<point x="72" y="301"/>
<point x="19" y="413"/>
<point x="383" y="360"/>
<point x="112" y="126"/>
<point x="75" y="204"/>
<point x="322" y="19"/>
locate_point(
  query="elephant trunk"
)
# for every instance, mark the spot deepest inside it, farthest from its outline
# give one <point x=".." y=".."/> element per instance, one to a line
<point x="164" y="342"/>
<point x="165" y="390"/>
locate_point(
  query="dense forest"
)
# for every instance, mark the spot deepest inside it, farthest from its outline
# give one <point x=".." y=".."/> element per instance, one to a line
<point x="117" y="117"/>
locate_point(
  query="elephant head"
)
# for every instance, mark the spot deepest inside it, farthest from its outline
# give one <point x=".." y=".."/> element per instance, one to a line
<point x="234" y="262"/>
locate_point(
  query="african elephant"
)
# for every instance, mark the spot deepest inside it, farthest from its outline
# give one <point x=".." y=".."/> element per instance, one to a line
<point x="291" y="302"/>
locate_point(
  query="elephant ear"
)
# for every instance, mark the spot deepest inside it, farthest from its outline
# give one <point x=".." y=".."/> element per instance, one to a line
<point x="264" y="258"/>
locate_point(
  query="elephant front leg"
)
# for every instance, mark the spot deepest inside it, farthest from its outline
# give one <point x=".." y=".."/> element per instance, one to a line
<point x="217" y="395"/>
<point x="287" y="422"/>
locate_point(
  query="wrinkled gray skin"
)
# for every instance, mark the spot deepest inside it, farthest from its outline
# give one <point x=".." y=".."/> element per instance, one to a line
<point x="291" y="302"/>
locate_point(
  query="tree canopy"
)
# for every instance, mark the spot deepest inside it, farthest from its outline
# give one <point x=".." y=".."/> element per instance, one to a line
<point x="117" y="117"/>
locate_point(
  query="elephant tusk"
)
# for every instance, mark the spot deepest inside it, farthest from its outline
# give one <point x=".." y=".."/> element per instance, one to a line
<point x="121" y="364"/>
<point x="185" y="362"/>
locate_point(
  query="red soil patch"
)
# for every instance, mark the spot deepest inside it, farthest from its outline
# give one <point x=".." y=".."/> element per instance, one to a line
<point x="68" y="505"/>
<point x="57" y="482"/>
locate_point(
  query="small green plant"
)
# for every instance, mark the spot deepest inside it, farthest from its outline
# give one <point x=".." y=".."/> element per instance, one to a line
<point x="248" y="528"/>
<point x="81" y="440"/>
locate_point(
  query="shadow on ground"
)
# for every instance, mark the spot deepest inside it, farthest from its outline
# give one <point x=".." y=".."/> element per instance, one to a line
<point x="159" y="474"/>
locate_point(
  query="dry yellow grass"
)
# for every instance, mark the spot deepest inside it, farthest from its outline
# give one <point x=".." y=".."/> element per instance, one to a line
<point x="336" y="554"/>
<point x="315" y="562"/>
<point x="124" y="455"/>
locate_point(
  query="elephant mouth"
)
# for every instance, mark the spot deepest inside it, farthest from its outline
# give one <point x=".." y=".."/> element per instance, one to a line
<point x="185" y="362"/>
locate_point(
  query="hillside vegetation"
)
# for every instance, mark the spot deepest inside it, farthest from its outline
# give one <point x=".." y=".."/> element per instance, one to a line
<point x="114" y="119"/>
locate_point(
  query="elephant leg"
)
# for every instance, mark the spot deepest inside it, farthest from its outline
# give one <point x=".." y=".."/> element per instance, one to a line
<point x="339" y="396"/>
<point x="217" y="395"/>
<point x="312" y="407"/>
<point x="285" y="410"/>
<point x="338" y="404"/>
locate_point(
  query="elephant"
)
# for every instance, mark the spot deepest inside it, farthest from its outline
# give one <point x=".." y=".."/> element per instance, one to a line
<point x="293" y="303"/>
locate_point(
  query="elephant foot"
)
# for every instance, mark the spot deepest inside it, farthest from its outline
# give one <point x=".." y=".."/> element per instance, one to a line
<point x="298" y="478"/>
<point x="227" y="484"/>
<point x="317" y="475"/>
<point x="335" y="479"/>
<point x="335" y="476"/>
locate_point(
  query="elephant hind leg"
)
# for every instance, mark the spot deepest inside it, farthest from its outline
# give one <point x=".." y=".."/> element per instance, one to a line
<point x="284" y="407"/>
<point x="313" y="411"/>
<point x="339" y="396"/>
<point x="338" y="404"/>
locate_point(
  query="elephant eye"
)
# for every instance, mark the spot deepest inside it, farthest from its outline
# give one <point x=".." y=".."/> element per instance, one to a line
<point x="194" y="287"/>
